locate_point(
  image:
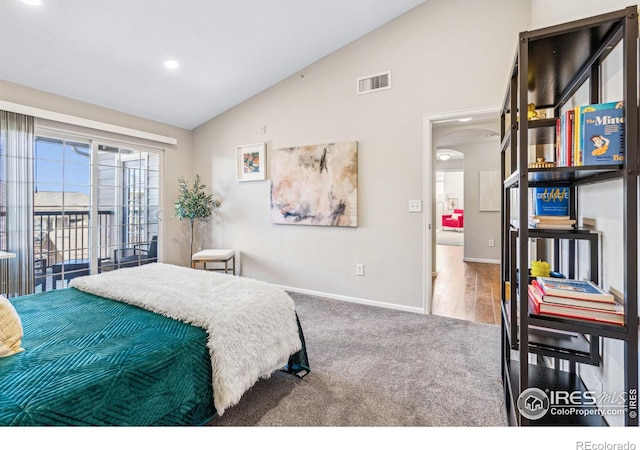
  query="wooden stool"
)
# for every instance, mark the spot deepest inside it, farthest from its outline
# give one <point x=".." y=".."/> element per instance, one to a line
<point x="215" y="255"/>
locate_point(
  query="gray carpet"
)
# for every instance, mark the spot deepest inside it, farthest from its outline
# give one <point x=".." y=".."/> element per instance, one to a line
<point x="449" y="237"/>
<point x="378" y="367"/>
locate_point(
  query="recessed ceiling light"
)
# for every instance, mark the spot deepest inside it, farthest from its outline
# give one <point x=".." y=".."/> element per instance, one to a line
<point x="466" y="119"/>
<point x="171" y="64"/>
<point x="32" y="2"/>
<point x="444" y="156"/>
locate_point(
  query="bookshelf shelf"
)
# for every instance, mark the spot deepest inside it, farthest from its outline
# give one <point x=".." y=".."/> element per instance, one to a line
<point x="553" y="66"/>
<point x="547" y="379"/>
<point x="564" y="176"/>
<point x="579" y="326"/>
<point x="557" y="343"/>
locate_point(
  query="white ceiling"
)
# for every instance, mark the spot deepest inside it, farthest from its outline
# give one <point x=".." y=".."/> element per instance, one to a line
<point x="111" y="52"/>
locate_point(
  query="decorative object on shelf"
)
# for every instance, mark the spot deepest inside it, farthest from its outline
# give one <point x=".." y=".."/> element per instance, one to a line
<point x="540" y="269"/>
<point x="452" y="203"/>
<point x="251" y="162"/>
<point x="541" y="164"/>
<point x="194" y="204"/>
<point x="532" y="114"/>
<point x="315" y="185"/>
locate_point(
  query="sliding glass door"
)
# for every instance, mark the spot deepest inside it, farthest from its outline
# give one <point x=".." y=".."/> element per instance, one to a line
<point x="129" y="193"/>
<point x="61" y="211"/>
<point x="95" y="209"/>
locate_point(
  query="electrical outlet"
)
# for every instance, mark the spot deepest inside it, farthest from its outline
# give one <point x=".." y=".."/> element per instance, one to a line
<point x="415" y="205"/>
<point x="492" y="243"/>
<point x="360" y="270"/>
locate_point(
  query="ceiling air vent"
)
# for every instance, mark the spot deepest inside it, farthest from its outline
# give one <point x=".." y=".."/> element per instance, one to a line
<point x="374" y="83"/>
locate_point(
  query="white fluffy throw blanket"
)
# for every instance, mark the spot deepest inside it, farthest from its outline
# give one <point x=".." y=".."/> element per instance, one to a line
<point x="251" y="325"/>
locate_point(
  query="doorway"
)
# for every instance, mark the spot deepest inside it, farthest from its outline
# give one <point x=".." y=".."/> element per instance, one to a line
<point x="449" y="197"/>
<point x="460" y="276"/>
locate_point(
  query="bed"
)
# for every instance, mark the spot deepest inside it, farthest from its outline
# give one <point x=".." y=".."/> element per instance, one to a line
<point x="109" y="359"/>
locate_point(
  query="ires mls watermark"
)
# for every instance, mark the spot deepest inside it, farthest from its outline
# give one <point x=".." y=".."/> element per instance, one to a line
<point x="534" y="403"/>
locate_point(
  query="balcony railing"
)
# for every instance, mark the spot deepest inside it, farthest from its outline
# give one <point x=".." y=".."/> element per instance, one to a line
<point x="62" y="246"/>
<point x="62" y="243"/>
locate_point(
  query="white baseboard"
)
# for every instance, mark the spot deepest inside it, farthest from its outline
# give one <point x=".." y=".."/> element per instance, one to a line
<point x="361" y="301"/>
<point x="481" y="260"/>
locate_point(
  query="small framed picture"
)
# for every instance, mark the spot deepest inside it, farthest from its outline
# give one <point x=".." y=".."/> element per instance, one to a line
<point x="452" y="203"/>
<point x="251" y="162"/>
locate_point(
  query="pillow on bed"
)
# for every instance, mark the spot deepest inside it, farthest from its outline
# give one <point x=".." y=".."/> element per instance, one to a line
<point x="10" y="329"/>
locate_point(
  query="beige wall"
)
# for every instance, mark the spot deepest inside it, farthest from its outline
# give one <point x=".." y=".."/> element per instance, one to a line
<point x="178" y="159"/>
<point x="480" y="226"/>
<point x="444" y="56"/>
<point x="545" y="13"/>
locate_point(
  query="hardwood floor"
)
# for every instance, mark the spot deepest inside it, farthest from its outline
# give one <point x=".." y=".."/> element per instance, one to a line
<point x="464" y="290"/>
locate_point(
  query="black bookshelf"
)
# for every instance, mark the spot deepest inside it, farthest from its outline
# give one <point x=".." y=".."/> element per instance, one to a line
<point x="550" y="66"/>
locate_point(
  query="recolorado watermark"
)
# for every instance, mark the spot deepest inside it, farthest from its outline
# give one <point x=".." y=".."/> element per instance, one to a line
<point x="590" y="445"/>
<point x="534" y="403"/>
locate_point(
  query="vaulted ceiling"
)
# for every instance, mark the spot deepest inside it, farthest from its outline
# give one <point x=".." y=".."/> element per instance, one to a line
<point x="111" y="52"/>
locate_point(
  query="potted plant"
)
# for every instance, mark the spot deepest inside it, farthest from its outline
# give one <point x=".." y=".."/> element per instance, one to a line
<point x="194" y="204"/>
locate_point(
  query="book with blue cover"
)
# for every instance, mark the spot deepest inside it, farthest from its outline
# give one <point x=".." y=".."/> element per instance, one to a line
<point x="603" y="135"/>
<point x="579" y="289"/>
<point x="551" y="201"/>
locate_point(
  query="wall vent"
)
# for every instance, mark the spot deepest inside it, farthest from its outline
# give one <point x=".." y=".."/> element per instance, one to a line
<point x="374" y="83"/>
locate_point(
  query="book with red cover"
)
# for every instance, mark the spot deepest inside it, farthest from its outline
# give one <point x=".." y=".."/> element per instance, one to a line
<point x="539" y="307"/>
<point x="569" y="138"/>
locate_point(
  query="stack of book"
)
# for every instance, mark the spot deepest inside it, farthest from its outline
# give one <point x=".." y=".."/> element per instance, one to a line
<point x="591" y="135"/>
<point x="575" y="299"/>
<point x="551" y="222"/>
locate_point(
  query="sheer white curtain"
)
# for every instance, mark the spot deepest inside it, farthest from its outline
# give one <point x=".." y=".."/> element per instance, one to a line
<point x="17" y="134"/>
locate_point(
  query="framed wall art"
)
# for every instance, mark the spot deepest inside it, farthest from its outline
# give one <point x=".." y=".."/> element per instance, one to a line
<point x="490" y="190"/>
<point x="251" y="162"/>
<point x="315" y="184"/>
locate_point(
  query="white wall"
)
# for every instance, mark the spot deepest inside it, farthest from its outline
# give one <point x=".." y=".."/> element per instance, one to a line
<point x="453" y="188"/>
<point x="444" y="56"/>
<point x="177" y="158"/>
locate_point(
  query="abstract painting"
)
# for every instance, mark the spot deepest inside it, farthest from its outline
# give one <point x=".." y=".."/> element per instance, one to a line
<point x="315" y="185"/>
<point x="251" y="162"/>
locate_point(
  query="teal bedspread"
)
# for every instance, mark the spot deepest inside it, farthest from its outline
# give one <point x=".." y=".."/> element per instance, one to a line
<point x="89" y="360"/>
